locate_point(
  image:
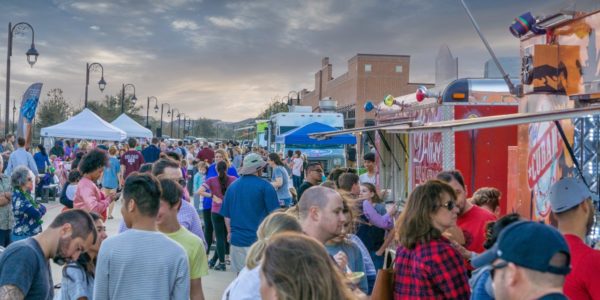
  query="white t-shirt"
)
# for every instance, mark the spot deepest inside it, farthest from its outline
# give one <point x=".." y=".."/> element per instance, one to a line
<point x="71" y="190"/>
<point x="365" y="178"/>
<point x="297" y="169"/>
<point x="245" y="287"/>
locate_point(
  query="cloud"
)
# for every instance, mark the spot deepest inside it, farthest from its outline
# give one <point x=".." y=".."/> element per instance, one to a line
<point x="94" y="8"/>
<point x="184" y="25"/>
<point x="230" y="23"/>
<point x="95" y="27"/>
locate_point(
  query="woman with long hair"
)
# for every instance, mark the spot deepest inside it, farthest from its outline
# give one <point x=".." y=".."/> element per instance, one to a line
<point x="211" y="171"/>
<point x="297" y="267"/>
<point x="279" y="180"/>
<point x="41" y="159"/>
<point x="374" y="220"/>
<point x="348" y="252"/>
<point x="78" y="276"/>
<point x="247" y="283"/>
<point x="215" y="188"/>
<point x="431" y="209"/>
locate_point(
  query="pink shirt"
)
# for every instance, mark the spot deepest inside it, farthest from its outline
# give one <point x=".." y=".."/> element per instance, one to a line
<point x="89" y="198"/>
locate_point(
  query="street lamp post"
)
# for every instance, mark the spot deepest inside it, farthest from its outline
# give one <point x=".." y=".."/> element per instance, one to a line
<point x="148" y="109"/>
<point x="291" y="100"/>
<point x="133" y="99"/>
<point x="32" y="55"/>
<point x="14" y="111"/>
<point x="162" y="106"/>
<point x="101" y="84"/>
<point x="172" y="115"/>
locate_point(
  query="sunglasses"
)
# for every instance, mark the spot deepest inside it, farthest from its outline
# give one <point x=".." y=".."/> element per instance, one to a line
<point x="499" y="266"/>
<point x="450" y="205"/>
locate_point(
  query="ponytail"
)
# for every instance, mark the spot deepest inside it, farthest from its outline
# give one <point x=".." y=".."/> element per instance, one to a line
<point x="222" y="171"/>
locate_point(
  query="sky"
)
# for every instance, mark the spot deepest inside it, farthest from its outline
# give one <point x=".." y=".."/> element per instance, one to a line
<point x="227" y="60"/>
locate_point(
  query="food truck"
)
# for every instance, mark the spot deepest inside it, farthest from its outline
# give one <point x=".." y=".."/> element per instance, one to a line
<point x="554" y="106"/>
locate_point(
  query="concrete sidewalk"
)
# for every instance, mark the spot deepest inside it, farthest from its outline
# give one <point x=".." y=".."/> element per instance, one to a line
<point x="214" y="284"/>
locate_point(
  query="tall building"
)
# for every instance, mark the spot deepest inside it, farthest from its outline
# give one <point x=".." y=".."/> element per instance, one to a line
<point x="370" y="77"/>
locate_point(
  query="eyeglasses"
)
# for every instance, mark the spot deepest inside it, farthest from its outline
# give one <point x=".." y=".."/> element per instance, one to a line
<point x="499" y="266"/>
<point x="450" y="205"/>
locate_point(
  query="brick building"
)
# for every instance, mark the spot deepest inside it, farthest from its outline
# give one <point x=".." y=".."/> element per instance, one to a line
<point x="370" y="77"/>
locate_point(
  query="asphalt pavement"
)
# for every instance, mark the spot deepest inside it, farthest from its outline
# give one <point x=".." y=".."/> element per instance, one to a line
<point x="214" y="284"/>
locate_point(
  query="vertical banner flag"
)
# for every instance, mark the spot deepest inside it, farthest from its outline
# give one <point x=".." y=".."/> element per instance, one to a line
<point x="29" y="105"/>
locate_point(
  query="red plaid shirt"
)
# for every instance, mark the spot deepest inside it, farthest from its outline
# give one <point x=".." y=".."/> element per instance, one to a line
<point x="433" y="270"/>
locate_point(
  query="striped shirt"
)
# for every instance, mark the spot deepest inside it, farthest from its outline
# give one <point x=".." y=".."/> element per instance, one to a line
<point x="141" y="264"/>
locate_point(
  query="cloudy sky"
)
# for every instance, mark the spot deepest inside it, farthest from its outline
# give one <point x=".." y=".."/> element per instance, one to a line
<point x="227" y="59"/>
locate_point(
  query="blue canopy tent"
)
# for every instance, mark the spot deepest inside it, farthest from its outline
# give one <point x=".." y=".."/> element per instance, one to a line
<point x="300" y="136"/>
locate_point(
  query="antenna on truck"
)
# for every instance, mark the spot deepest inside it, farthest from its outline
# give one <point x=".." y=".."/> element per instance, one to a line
<point x="511" y="87"/>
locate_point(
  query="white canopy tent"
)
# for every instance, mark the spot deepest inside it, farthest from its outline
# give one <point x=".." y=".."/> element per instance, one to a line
<point x="131" y="127"/>
<point x="85" y="125"/>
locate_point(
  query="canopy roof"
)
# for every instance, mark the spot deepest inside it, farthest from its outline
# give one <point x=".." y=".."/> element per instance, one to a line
<point x="85" y="125"/>
<point x="131" y="127"/>
<point x="301" y="136"/>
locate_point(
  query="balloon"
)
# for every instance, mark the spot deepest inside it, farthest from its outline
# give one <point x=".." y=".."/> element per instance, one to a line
<point x="369" y="106"/>
<point x="389" y="100"/>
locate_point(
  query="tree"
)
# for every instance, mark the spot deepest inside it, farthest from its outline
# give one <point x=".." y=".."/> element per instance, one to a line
<point x="54" y="110"/>
<point x="273" y="108"/>
<point x="204" y="128"/>
<point x="110" y="108"/>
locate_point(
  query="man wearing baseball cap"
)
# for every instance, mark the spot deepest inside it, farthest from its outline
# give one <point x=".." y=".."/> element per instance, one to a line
<point x="247" y="202"/>
<point x="528" y="261"/>
<point x="571" y="203"/>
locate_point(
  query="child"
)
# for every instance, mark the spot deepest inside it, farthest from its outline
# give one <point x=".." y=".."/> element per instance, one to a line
<point x="199" y="178"/>
<point x="68" y="191"/>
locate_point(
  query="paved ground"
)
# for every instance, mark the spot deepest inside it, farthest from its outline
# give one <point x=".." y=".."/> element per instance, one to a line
<point x="214" y="284"/>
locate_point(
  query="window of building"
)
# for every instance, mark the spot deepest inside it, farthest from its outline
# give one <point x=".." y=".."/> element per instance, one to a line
<point x="398" y="68"/>
<point x="367" y="67"/>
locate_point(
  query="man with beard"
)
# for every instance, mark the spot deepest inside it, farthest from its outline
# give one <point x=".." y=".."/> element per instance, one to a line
<point x="24" y="269"/>
<point x="528" y="261"/>
<point x="571" y="202"/>
<point x="472" y="219"/>
<point x="314" y="176"/>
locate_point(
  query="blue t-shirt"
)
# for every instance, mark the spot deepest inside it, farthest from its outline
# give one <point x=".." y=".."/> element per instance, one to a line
<point x="23" y="265"/>
<point x="247" y="202"/>
<point x="41" y="161"/>
<point x="282" y="192"/>
<point x="151" y="154"/>
<point x="110" y="180"/>
<point x="212" y="172"/>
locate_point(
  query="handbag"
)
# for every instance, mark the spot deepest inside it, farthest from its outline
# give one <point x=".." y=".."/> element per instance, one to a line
<point x="384" y="283"/>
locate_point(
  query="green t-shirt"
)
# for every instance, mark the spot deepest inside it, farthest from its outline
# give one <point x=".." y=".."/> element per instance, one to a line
<point x="194" y="248"/>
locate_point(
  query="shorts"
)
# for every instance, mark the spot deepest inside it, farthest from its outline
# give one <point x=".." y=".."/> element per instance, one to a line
<point x="238" y="257"/>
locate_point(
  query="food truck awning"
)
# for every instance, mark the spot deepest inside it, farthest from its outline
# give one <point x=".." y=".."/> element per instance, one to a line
<point x="471" y="124"/>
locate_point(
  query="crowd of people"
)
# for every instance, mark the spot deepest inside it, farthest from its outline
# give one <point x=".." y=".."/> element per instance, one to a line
<point x="287" y="230"/>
